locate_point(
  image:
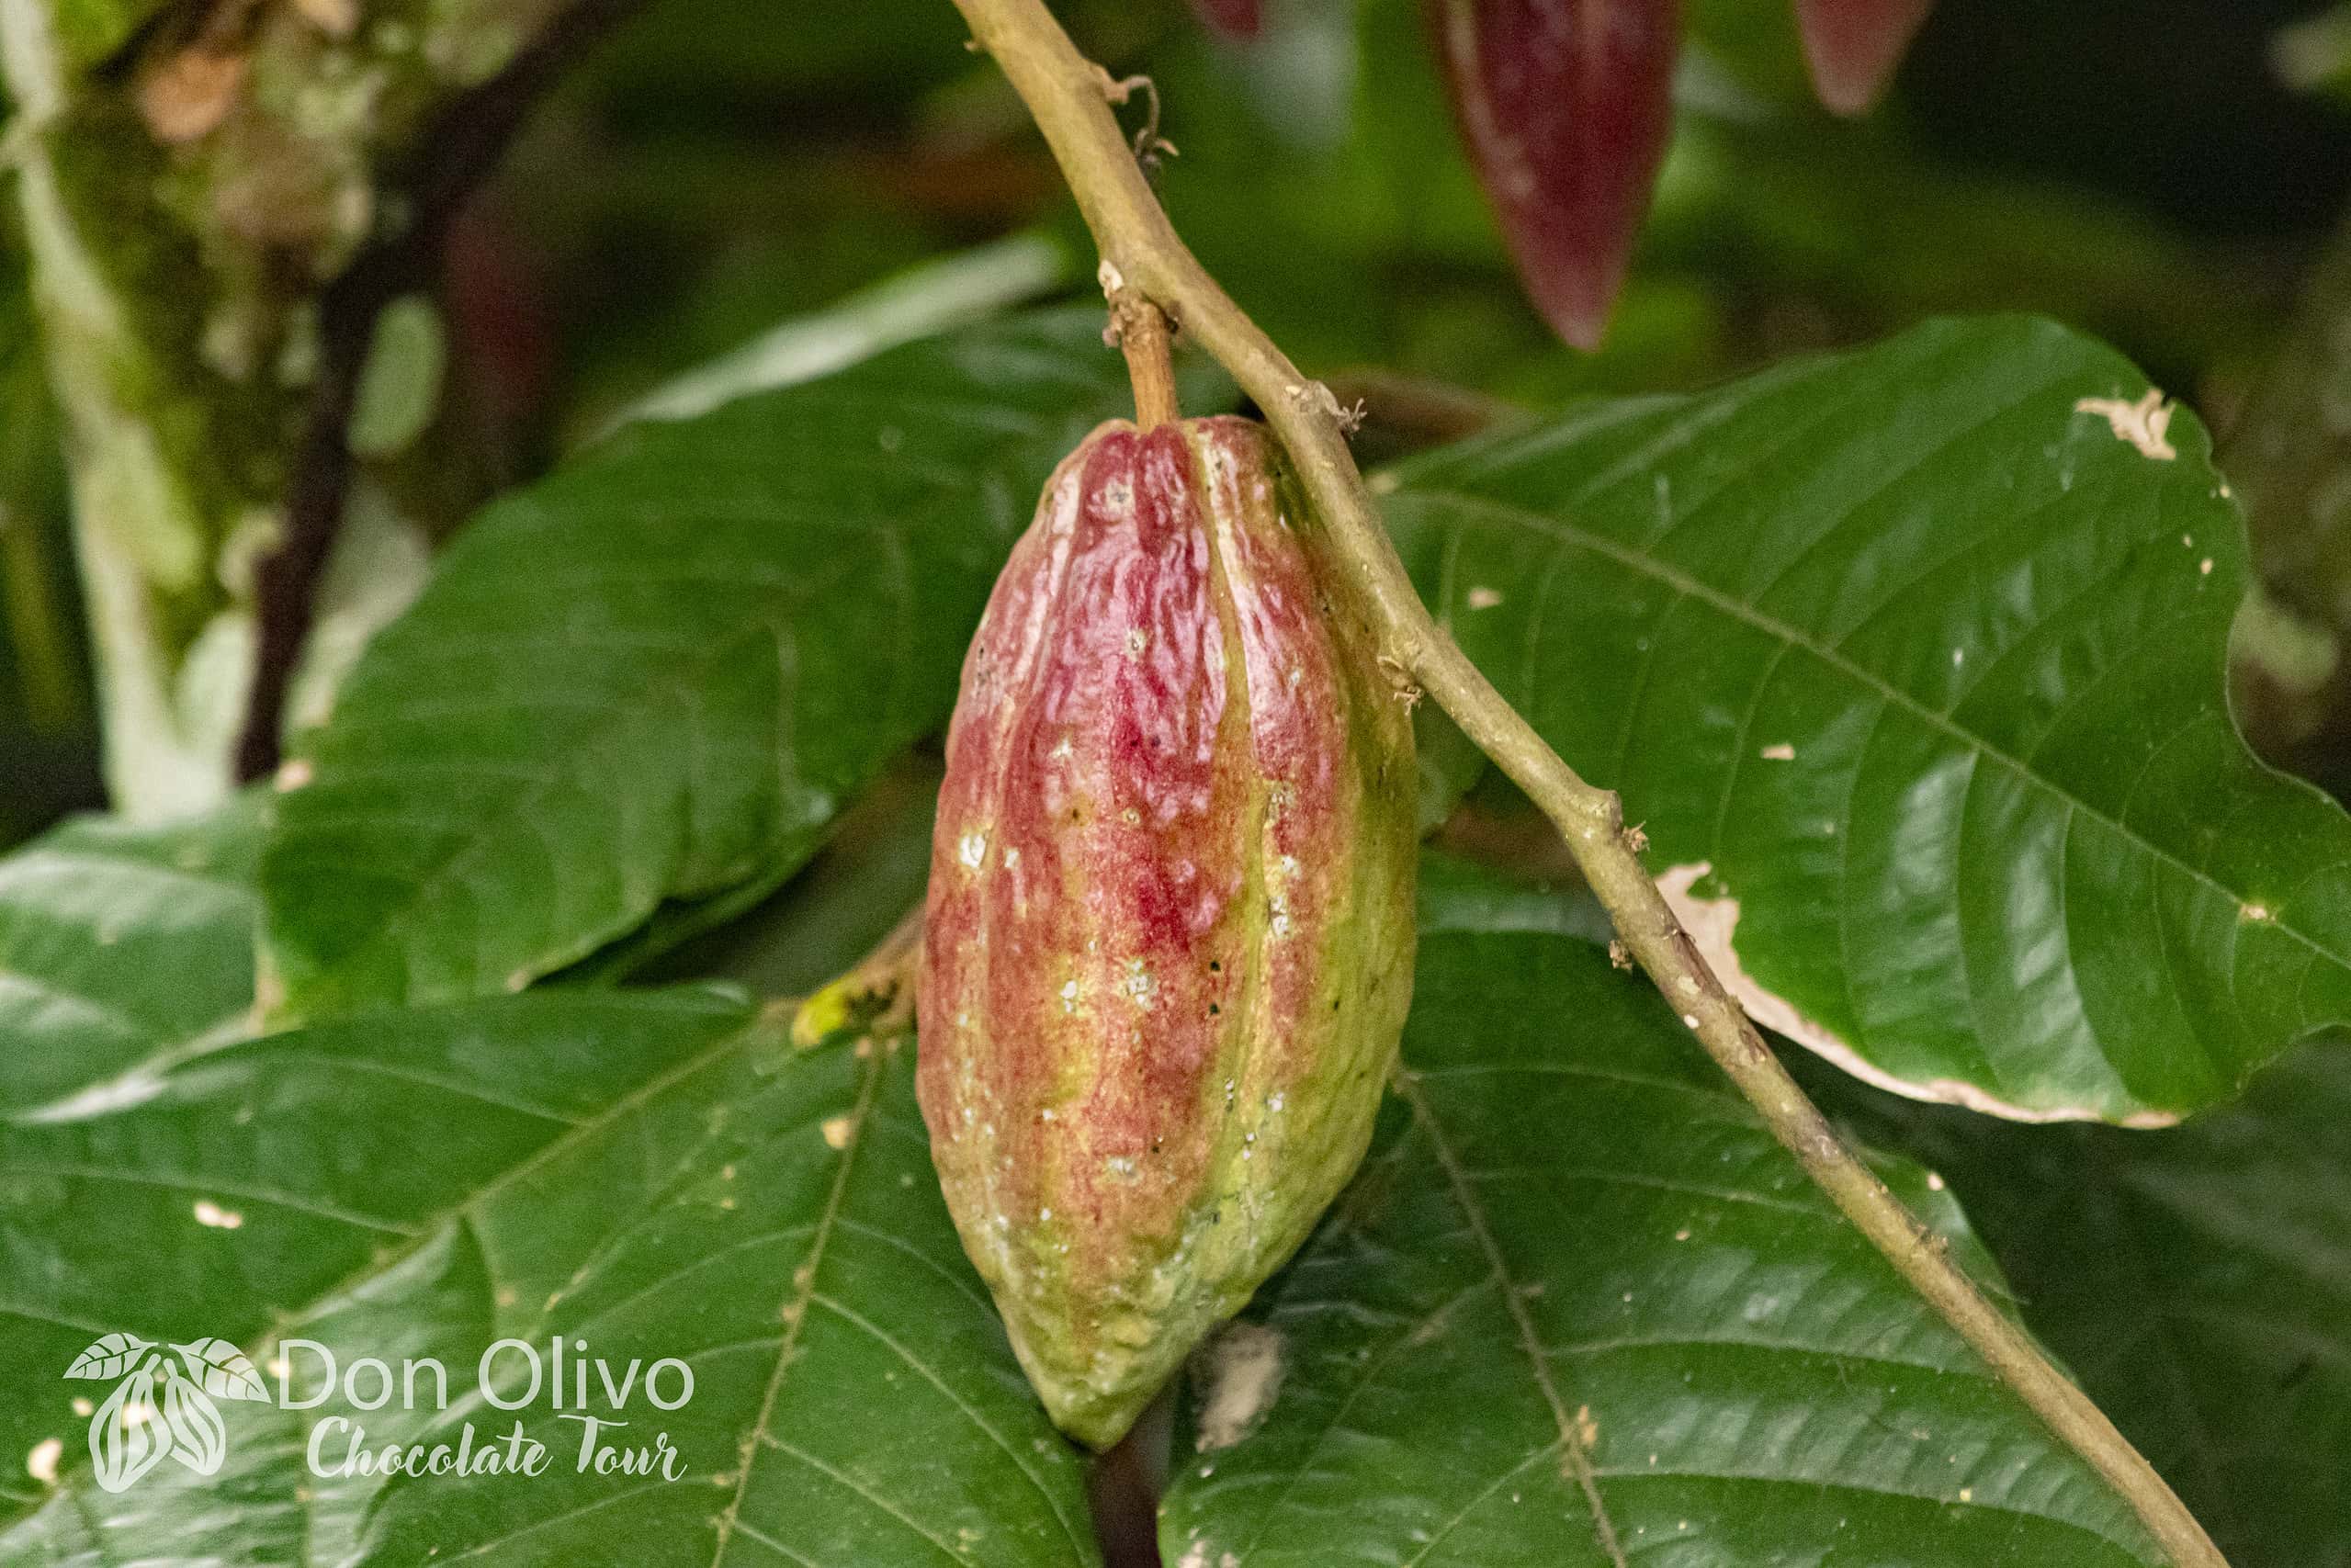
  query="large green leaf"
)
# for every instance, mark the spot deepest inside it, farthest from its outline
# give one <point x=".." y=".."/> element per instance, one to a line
<point x="655" y="1175"/>
<point x="1571" y="1233"/>
<point x="870" y="874"/>
<point x="1910" y="660"/>
<point x="660" y="674"/>
<point x="2199" y="1279"/>
<point x="122" y="948"/>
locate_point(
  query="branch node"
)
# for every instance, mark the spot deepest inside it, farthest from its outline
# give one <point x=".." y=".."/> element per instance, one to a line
<point x="1314" y="396"/>
<point x="1399" y="675"/>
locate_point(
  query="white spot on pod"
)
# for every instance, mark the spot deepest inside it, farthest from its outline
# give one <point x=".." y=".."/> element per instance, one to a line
<point x="972" y="848"/>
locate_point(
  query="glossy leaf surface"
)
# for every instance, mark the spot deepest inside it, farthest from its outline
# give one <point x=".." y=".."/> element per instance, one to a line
<point x="1911" y="662"/>
<point x="655" y="1174"/>
<point x="1572" y="1236"/>
<point x="2198" y="1279"/>
<point x="660" y="674"/>
<point x="122" y="948"/>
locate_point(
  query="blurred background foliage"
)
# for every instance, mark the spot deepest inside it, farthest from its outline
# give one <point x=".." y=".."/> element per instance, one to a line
<point x="2164" y="172"/>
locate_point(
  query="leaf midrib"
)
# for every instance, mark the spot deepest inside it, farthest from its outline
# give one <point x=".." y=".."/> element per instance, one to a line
<point x="395" y="916"/>
<point x="428" y="1225"/>
<point x="1580" y="1467"/>
<point x="1840" y="663"/>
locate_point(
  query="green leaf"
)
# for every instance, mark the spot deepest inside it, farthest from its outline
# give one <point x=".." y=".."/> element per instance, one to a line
<point x="2198" y="1279"/>
<point x="1570" y="1230"/>
<point x="918" y="301"/>
<point x="660" y="673"/>
<point x="1910" y="664"/>
<point x="91" y="30"/>
<point x="869" y="875"/>
<point x="653" y="1174"/>
<point x="123" y="948"/>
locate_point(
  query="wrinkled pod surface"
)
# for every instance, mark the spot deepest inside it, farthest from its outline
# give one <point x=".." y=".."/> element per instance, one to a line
<point x="1169" y="944"/>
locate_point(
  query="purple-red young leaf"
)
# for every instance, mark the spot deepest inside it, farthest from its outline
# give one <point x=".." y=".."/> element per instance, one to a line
<point x="1566" y="106"/>
<point x="1233" y="18"/>
<point x="1852" y="46"/>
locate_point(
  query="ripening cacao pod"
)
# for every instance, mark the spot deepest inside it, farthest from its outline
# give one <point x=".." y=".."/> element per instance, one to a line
<point x="1168" y="945"/>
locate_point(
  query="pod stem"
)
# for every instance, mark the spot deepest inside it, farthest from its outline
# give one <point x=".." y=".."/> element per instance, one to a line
<point x="1143" y="255"/>
<point x="1144" y="336"/>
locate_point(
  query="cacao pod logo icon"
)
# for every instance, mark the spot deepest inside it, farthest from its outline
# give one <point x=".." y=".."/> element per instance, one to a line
<point x="161" y="1407"/>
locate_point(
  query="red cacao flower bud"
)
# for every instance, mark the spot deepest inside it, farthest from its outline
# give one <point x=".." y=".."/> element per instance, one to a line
<point x="1852" y="46"/>
<point x="1234" y="19"/>
<point x="1168" y="945"/>
<point x="1567" y="106"/>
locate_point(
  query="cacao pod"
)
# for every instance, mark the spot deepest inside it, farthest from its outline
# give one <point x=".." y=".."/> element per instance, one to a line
<point x="1168" y="943"/>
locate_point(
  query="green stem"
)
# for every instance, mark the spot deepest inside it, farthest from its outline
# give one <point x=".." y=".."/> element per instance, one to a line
<point x="1143" y="255"/>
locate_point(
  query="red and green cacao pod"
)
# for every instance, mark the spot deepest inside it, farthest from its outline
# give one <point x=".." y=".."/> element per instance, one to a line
<point x="1169" y="944"/>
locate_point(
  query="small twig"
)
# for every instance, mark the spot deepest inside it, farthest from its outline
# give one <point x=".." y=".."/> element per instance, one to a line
<point x="452" y="159"/>
<point x="1060" y="87"/>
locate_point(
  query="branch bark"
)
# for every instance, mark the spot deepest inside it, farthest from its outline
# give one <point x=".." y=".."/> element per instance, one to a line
<point x="1143" y="258"/>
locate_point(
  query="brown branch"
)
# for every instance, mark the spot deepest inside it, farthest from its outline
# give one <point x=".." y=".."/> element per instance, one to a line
<point x="450" y="161"/>
<point x="1140" y="250"/>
